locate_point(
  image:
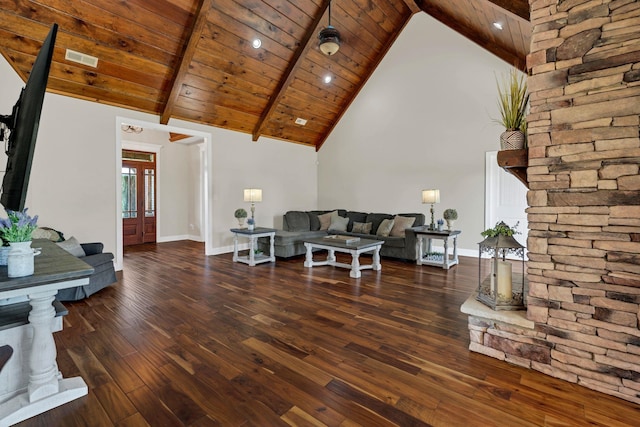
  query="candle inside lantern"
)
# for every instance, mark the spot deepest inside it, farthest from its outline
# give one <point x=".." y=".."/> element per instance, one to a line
<point x="504" y="281"/>
<point x="492" y="286"/>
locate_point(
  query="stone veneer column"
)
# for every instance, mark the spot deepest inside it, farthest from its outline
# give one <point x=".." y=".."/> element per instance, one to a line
<point x="584" y="215"/>
<point x="584" y="200"/>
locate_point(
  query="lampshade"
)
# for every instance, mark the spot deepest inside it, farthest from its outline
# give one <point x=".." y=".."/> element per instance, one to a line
<point x="431" y="196"/>
<point x="252" y="195"/>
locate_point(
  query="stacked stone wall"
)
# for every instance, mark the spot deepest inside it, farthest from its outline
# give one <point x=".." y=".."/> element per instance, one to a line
<point x="584" y="199"/>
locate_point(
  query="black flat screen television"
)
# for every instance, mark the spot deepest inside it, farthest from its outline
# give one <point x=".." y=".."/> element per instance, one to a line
<point x="22" y="125"/>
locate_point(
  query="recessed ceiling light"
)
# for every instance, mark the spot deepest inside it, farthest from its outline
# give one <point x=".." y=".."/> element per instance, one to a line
<point x="300" y="121"/>
<point x="497" y="25"/>
<point x="256" y="43"/>
<point x="327" y="79"/>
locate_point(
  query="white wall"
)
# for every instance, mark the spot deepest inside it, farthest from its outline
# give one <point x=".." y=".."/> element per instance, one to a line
<point x="286" y="173"/>
<point x="423" y="120"/>
<point x="195" y="192"/>
<point x="73" y="180"/>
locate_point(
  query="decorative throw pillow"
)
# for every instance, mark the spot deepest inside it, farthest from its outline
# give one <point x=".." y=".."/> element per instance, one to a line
<point x="325" y="219"/>
<point x="362" y="227"/>
<point x="385" y="228"/>
<point x="401" y="223"/>
<point x="72" y="246"/>
<point x="47" y="233"/>
<point x="339" y="223"/>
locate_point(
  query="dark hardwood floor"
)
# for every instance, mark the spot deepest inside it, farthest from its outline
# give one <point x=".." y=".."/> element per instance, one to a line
<point x="189" y="340"/>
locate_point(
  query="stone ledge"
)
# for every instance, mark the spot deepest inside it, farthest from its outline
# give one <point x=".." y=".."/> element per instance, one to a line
<point x="475" y="308"/>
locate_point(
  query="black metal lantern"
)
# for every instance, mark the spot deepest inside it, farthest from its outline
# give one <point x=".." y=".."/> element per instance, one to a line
<point x="503" y="285"/>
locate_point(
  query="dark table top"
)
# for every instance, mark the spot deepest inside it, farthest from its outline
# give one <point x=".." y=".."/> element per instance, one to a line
<point x="254" y="231"/>
<point x="54" y="264"/>
<point x="362" y="243"/>
<point x="424" y="229"/>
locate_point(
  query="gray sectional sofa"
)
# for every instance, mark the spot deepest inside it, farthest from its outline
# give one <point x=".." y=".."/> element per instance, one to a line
<point x="300" y="225"/>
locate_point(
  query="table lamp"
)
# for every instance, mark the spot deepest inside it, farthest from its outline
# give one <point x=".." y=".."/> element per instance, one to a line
<point x="252" y="195"/>
<point x="431" y="197"/>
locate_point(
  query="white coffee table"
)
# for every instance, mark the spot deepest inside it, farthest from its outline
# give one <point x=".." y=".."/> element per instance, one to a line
<point x="355" y="249"/>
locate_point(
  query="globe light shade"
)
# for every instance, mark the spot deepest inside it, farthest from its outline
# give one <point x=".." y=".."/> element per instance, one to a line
<point x="329" y="40"/>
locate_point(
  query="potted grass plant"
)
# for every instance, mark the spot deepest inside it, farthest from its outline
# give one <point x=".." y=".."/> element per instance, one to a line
<point x="450" y="215"/>
<point x="513" y="99"/>
<point x="240" y="214"/>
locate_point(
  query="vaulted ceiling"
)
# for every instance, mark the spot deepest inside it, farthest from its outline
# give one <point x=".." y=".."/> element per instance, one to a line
<point x="193" y="59"/>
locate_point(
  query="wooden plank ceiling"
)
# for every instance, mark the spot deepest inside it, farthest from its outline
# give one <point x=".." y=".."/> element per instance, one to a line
<point x="193" y="59"/>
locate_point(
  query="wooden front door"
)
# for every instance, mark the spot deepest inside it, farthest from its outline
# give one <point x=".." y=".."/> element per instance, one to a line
<point x="138" y="197"/>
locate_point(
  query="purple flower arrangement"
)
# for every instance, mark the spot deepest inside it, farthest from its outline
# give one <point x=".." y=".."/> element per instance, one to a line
<point x="18" y="227"/>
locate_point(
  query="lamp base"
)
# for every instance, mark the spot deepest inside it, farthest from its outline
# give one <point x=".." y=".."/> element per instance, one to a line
<point x="432" y="226"/>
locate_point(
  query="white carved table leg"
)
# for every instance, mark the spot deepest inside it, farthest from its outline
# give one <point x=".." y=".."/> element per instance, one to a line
<point x="235" y="247"/>
<point x="419" y="246"/>
<point x="272" y="253"/>
<point x="445" y="256"/>
<point x="355" y="265"/>
<point x="308" y="260"/>
<point x="376" y="259"/>
<point x="455" y="249"/>
<point x="252" y="250"/>
<point x="331" y="256"/>
<point x="43" y="379"/>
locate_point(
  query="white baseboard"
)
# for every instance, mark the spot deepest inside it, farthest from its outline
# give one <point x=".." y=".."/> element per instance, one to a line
<point x="229" y="249"/>
<point x="165" y="239"/>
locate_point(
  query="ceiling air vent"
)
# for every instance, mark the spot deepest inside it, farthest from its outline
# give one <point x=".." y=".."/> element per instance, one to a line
<point x="301" y="121"/>
<point x="81" y="58"/>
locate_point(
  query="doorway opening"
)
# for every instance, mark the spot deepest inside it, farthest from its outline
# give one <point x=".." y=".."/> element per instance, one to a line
<point x="142" y="138"/>
<point x="138" y="197"/>
<point x="505" y="199"/>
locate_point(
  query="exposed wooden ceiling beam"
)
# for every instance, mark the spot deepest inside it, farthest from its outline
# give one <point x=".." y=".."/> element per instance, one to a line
<point x="411" y="4"/>
<point x="173" y="137"/>
<point x="519" y="8"/>
<point x="184" y="62"/>
<point x="287" y="77"/>
<point x="506" y="53"/>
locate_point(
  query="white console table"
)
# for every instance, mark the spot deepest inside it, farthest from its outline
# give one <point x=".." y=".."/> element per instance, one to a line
<point x="35" y="383"/>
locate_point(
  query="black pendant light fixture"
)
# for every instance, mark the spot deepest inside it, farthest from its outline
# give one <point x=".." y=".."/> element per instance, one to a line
<point x="329" y="38"/>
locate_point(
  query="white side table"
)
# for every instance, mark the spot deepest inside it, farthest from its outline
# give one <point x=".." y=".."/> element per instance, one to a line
<point x="253" y="235"/>
<point x="424" y="234"/>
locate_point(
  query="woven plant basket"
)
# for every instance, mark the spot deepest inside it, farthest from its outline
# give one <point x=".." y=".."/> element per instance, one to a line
<point x="512" y="140"/>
